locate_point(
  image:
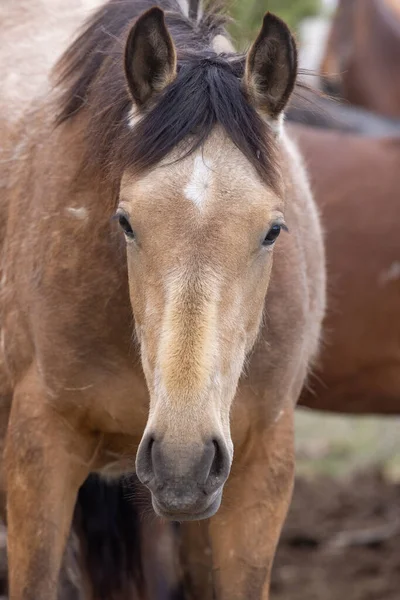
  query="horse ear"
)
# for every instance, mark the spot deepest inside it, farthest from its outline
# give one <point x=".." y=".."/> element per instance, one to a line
<point x="271" y="67"/>
<point x="150" y="57"/>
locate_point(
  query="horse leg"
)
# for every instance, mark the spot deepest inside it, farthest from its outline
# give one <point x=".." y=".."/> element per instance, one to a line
<point x="245" y="532"/>
<point x="196" y="561"/>
<point x="46" y="460"/>
<point x="232" y="558"/>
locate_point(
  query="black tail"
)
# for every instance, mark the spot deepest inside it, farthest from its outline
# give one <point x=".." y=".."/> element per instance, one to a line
<point x="107" y="523"/>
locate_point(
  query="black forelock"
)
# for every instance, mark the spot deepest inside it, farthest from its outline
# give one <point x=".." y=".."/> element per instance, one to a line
<point x="207" y="92"/>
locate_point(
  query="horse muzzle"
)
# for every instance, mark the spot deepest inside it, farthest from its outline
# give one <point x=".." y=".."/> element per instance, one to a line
<point x="186" y="482"/>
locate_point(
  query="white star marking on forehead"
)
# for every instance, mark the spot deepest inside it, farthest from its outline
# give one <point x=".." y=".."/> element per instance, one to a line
<point x="199" y="184"/>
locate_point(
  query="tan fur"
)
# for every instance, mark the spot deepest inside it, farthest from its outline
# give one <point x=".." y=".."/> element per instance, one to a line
<point x="204" y="295"/>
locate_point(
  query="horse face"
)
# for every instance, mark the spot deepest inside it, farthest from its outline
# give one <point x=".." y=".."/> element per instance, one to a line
<point x="200" y="235"/>
<point x="200" y="231"/>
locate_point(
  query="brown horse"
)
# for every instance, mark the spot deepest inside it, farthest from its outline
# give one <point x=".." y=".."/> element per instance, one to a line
<point x="362" y="56"/>
<point x="356" y="182"/>
<point x="127" y="337"/>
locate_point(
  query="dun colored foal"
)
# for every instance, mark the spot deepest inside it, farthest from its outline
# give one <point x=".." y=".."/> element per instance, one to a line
<point x="153" y="317"/>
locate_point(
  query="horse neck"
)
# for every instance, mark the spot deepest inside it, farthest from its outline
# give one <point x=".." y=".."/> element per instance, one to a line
<point x="72" y="232"/>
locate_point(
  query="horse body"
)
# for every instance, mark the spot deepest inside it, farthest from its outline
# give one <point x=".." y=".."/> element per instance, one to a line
<point x="87" y="397"/>
<point x="362" y="55"/>
<point x="358" y="370"/>
<point x="355" y="182"/>
<point x="34" y="35"/>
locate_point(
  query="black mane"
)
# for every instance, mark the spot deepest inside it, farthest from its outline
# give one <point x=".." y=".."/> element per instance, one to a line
<point x="207" y="91"/>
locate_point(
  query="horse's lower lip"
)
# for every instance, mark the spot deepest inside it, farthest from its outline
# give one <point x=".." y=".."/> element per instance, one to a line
<point x="205" y="513"/>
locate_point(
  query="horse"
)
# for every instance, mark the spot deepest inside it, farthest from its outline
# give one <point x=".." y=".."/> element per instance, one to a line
<point x="361" y="58"/>
<point x="355" y="181"/>
<point x="153" y="318"/>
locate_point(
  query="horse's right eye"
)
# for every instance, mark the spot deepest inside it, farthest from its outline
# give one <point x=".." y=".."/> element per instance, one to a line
<point x="125" y="225"/>
<point x="272" y="235"/>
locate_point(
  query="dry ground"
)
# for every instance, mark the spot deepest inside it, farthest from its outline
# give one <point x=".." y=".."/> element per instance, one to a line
<point x="342" y="537"/>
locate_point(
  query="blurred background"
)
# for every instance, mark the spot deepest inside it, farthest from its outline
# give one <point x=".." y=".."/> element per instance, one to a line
<point x="309" y="19"/>
<point x="248" y="14"/>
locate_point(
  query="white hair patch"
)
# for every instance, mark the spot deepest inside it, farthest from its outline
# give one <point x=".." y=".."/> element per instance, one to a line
<point x="200" y="181"/>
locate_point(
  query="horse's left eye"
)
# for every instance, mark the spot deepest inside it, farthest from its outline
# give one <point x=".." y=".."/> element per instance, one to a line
<point x="272" y="235"/>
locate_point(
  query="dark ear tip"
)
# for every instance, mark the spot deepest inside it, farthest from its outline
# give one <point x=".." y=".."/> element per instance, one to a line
<point x="270" y="20"/>
<point x="152" y="17"/>
<point x="155" y="13"/>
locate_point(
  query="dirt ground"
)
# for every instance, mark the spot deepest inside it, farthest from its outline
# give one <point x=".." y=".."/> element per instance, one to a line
<point x="341" y="541"/>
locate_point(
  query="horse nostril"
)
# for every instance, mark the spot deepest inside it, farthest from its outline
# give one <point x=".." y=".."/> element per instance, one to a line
<point x="219" y="469"/>
<point x="150" y="445"/>
<point x="144" y="460"/>
<point x="217" y="465"/>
